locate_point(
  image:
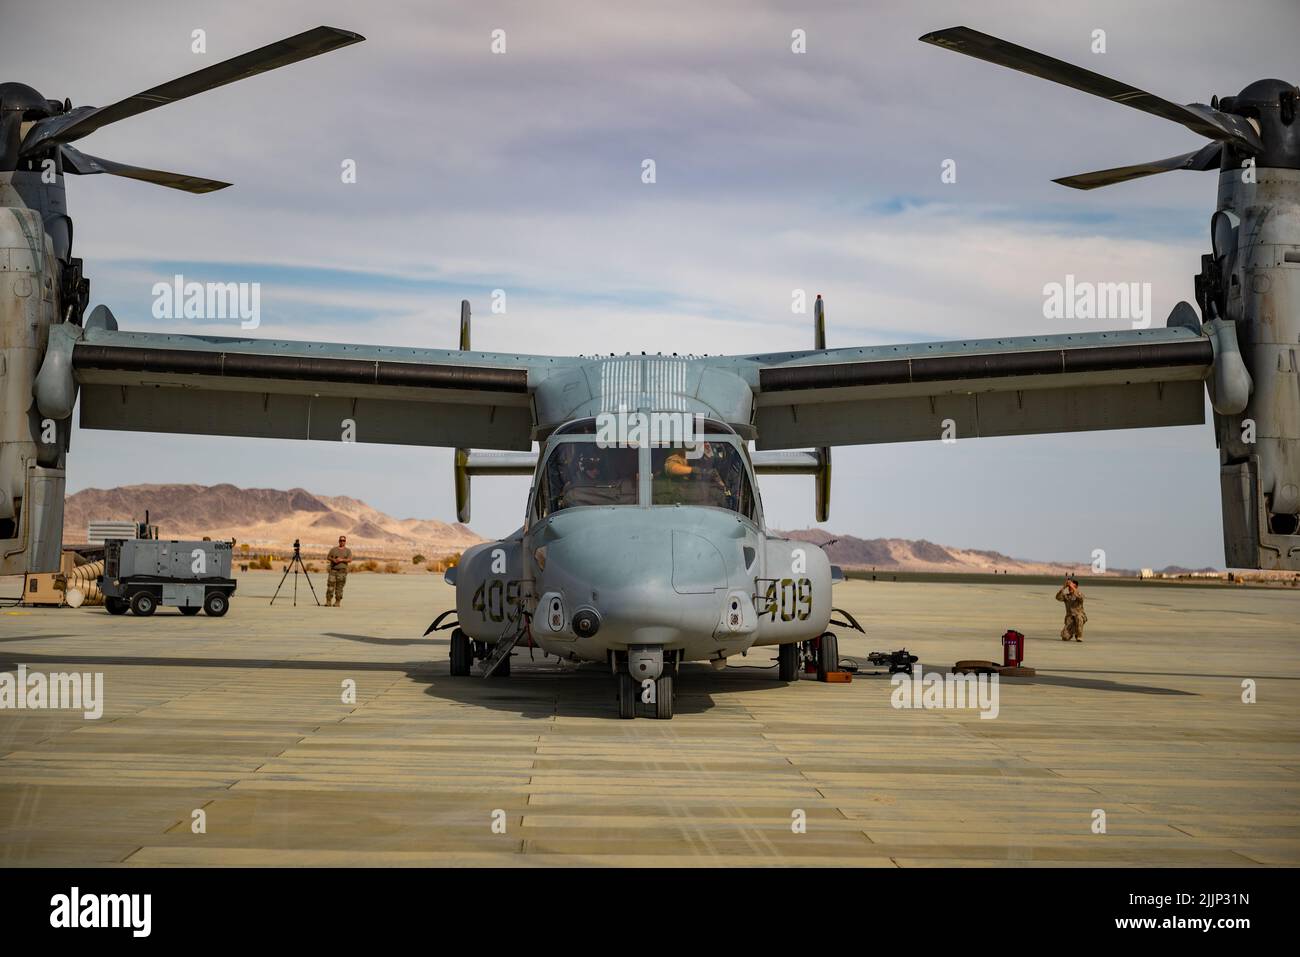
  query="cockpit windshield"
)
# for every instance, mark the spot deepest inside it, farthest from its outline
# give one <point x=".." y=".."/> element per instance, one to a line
<point x="584" y="469"/>
<point x="583" y="473"/>
<point x="706" y="473"/>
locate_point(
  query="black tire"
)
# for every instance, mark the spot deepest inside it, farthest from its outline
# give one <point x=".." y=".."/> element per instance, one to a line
<point x="189" y="610"/>
<point x="828" y="656"/>
<point x="664" y="697"/>
<point x="462" y="656"/>
<point x="144" y="604"/>
<point x="116" y="606"/>
<point x="216" y="603"/>
<point x="787" y="661"/>
<point x="503" y="669"/>
<point x="628" y="695"/>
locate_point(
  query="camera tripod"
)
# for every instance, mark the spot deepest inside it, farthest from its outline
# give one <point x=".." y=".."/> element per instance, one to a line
<point x="294" y="565"/>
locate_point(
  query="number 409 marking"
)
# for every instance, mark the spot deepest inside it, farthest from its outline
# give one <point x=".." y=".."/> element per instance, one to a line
<point x="494" y="598"/>
<point x="791" y="597"/>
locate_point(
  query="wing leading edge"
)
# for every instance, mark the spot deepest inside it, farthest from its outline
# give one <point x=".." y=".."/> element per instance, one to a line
<point x="279" y="389"/>
<point x="154" y="382"/>
<point x="1013" y="386"/>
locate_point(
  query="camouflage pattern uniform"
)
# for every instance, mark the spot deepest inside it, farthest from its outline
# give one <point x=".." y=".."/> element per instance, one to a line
<point x="1075" y="616"/>
<point x="338" y="576"/>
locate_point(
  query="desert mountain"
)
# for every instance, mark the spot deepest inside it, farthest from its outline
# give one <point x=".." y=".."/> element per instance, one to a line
<point x="274" y="518"/>
<point x="263" y="516"/>
<point x="900" y="554"/>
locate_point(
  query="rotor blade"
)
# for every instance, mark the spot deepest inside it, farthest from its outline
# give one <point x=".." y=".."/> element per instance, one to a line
<point x="1195" y="116"/>
<point x="83" y="120"/>
<point x="1207" y="157"/>
<point x="83" y="164"/>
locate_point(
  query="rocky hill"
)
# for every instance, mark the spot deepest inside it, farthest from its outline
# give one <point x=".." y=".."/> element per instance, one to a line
<point x="264" y="516"/>
<point x="274" y="518"/>
<point x="901" y="554"/>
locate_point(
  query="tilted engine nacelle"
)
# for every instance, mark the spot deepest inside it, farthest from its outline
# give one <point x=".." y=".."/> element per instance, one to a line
<point x="1252" y="280"/>
<point x="33" y="439"/>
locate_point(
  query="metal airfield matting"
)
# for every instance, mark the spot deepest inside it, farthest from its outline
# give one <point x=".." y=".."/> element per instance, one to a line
<point x="245" y="718"/>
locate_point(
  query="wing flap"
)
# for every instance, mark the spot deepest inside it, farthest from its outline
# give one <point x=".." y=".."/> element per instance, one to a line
<point x="1034" y="386"/>
<point x="267" y="389"/>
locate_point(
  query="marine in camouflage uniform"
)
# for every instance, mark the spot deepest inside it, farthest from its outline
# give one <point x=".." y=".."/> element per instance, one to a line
<point x="338" y="558"/>
<point x="1075" y="616"/>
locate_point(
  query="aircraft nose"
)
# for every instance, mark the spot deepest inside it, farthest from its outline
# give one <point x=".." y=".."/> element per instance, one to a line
<point x="649" y="585"/>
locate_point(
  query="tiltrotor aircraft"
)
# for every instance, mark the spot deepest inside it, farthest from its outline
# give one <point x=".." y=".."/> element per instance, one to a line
<point x="644" y="548"/>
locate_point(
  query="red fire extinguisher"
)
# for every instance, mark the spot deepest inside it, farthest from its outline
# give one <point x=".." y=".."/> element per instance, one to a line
<point x="1013" y="648"/>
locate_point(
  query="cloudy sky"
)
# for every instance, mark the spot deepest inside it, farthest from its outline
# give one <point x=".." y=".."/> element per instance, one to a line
<point x="775" y="171"/>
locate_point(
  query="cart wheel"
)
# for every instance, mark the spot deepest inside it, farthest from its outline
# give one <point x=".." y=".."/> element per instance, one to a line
<point x="189" y="610"/>
<point x="116" y="606"/>
<point x="143" y="604"/>
<point x="216" y="604"/>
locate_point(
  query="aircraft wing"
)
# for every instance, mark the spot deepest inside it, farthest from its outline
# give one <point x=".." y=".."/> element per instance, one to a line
<point x="153" y="382"/>
<point x="1010" y="386"/>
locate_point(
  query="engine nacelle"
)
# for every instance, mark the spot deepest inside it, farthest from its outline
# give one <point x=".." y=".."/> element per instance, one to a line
<point x="1259" y="447"/>
<point x="793" y="598"/>
<point x="32" y="444"/>
<point x="490" y="588"/>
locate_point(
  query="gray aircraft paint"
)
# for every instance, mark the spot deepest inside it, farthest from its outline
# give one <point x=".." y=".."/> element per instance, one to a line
<point x="663" y="579"/>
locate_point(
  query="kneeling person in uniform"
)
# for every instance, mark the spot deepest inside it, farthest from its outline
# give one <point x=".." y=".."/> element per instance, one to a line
<point x="338" y="557"/>
<point x="1075" y="617"/>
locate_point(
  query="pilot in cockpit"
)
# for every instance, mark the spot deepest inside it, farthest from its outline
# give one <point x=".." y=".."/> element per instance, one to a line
<point x="600" y="477"/>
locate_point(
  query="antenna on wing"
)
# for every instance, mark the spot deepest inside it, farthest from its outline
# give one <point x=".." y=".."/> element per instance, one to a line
<point x="819" y="323"/>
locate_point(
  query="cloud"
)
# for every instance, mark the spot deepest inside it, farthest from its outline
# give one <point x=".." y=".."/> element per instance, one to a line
<point x="775" y="172"/>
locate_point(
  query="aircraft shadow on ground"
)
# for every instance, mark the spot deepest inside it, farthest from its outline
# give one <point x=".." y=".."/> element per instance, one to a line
<point x="539" y="689"/>
<point x="544" y="688"/>
<point x="870" y="671"/>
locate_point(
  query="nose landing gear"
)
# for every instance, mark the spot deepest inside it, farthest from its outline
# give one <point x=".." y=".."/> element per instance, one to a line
<point x="640" y="689"/>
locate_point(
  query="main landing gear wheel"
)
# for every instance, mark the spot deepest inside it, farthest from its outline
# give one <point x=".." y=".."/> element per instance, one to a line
<point x="628" y="695"/>
<point x="664" y="697"/>
<point x="462" y="656"/>
<point x="503" y="669"/>
<point x="143" y="604"/>
<point x="828" y="655"/>
<point x="787" y="661"/>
